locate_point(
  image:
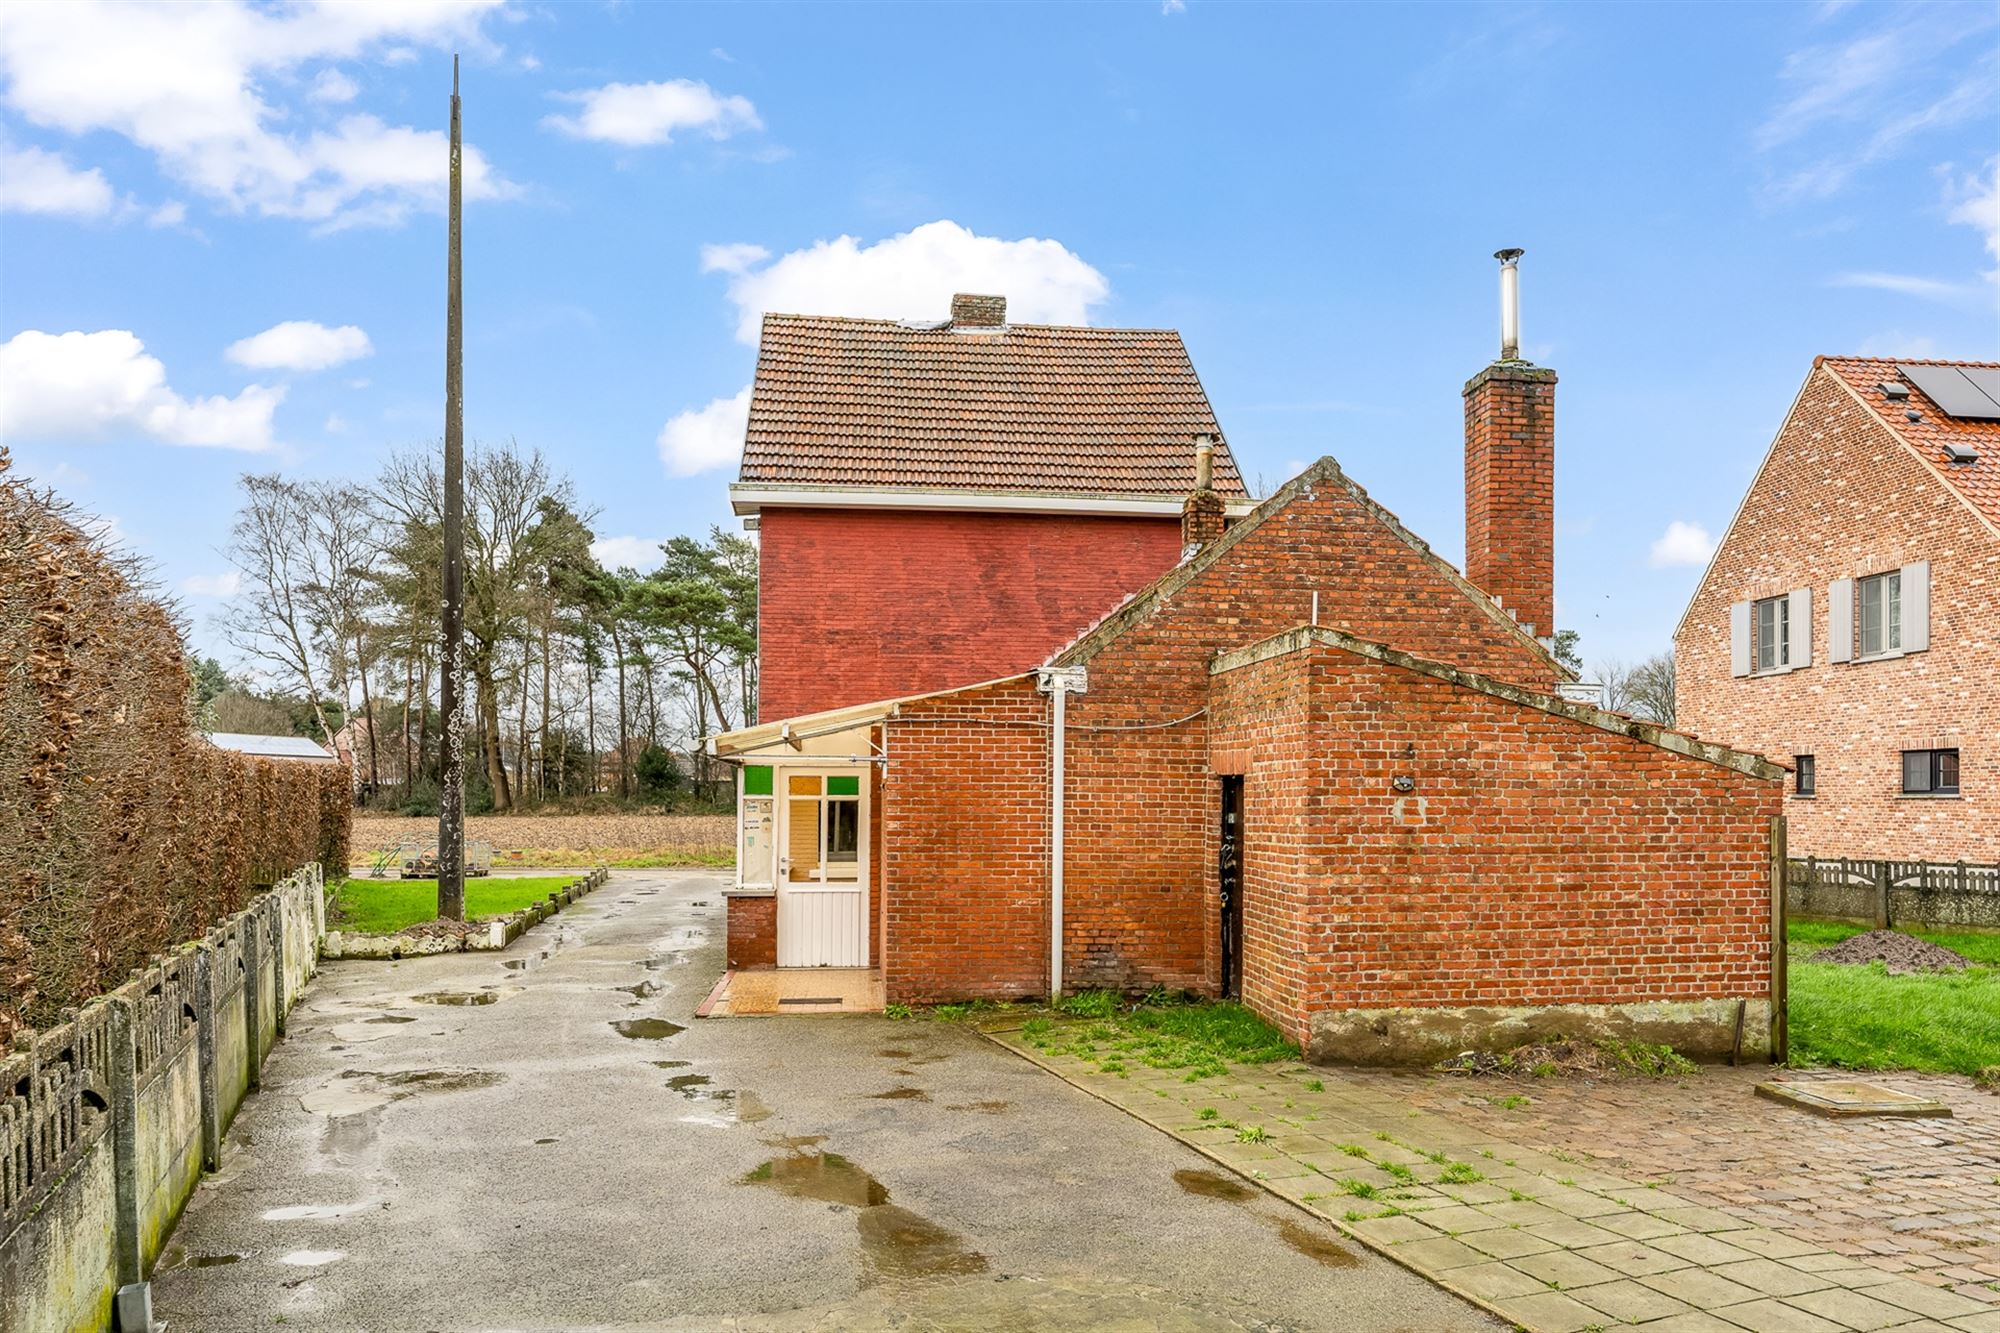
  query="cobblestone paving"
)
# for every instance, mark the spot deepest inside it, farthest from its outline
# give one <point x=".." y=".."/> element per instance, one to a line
<point x="1704" y="1210"/>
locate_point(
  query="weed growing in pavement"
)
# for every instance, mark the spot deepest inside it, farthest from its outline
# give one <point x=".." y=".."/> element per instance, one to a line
<point x="1360" y="1189"/>
<point x="1460" y="1173"/>
<point x="1207" y="1113"/>
<point x="1252" y="1134"/>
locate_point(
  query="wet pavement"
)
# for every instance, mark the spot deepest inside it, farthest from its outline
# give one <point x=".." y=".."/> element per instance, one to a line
<point x="546" y="1139"/>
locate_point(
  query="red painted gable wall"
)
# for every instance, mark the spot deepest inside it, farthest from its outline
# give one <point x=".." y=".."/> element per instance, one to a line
<point x="858" y="605"/>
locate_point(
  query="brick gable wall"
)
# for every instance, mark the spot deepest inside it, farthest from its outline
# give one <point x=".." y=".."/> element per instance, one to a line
<point x="1840" y="497"/>
<point x="1536" y="861"/>
<point x="858" y="605"/>
<point x="966" y="873"/>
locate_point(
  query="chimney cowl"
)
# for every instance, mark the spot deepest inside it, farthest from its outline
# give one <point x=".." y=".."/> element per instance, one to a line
<point x="978" y="312"/>
<point x="1204" y="462"/>
<point x="1510" y="302"/>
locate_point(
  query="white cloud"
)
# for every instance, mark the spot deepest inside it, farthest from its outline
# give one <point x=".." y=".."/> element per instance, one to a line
<point x="913" y="276"/>
<point x="333" y="86"/>
<point x="705" y="437"/>
<point x="35" y="181"/>
<point x="640" y="553"/>
<point x="1976" y="203"/>
<point x="1847" y="104"/>
<point x="212" y="585"/>
<point x="77" y="386"/>
<point x="170" y="214"/>
<point x="336" y="424"/>
<point x="194" y="85"/>
<point x="1172" y="7"/>
<point x="1682" y="544"/>
<point x="300" y="344"/>
<point x="1903" y="284"/>
<point x="637" y="114"/>
<point x="732" y="258"/>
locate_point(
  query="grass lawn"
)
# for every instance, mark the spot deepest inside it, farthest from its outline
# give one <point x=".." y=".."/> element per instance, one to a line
<point x="385" y="906"/>
<point x="1863" y="1018"/>
<point x="1163" y="1032"/>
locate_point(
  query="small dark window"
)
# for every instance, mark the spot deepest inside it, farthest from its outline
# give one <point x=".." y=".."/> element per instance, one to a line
<point x="1806" y="779"/>
<point x="1930" y="772"/>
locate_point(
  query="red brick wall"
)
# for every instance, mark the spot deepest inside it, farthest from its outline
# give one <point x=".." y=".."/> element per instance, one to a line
<point x="1840" y="497"/>
<point x="1510" y="486"/>
<point x="858" y="605"/>
<point x="965" y="827"/>
<point x="753" y="932"/>
<point x="1537" y="861"/>
<point x="1144" y="805"/>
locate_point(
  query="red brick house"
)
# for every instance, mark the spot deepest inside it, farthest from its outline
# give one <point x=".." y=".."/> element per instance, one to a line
<point x="947" y="502"/>
<point x="1309" y="764"/>
<point x="1849" y="623"/>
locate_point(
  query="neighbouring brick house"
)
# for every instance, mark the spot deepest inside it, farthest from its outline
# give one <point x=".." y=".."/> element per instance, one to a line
<point x="1309" y="764"/>
<point x="1849" y="624"/>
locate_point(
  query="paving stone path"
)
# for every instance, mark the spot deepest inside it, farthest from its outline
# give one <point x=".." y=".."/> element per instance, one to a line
<point x="1554" y="1243"/>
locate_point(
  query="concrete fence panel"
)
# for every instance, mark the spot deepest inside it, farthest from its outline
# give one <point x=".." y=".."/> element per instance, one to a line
<point x="108" y="1119"/>
<point x="1941" y="895"/>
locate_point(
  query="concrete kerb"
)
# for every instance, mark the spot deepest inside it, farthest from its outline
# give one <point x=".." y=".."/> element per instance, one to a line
<point x="495" y="934"/>
<point x="1385" y="1250"/>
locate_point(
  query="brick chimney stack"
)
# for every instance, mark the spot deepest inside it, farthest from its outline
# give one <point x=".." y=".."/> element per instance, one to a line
<point x="978" y="312"/>
<point x="1202" y="512"/>
<point x="1510" y="470"/>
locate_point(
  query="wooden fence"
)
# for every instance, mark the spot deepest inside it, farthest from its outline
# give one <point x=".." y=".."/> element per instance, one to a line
<point x="1939" y="894"/>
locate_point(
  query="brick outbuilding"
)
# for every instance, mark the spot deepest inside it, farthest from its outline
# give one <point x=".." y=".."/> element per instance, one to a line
<point x="1309" y="764"/>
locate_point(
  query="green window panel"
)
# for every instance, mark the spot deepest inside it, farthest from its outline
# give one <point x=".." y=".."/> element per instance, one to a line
<point x="843" y="786"/>
<point x="756" y="779"/>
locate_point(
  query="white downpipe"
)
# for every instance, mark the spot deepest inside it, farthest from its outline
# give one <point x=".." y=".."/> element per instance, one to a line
<point x="1061" y="697"/>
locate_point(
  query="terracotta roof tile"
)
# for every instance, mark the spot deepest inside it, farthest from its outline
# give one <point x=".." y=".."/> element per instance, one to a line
<point x="1029" y="407"/>
<point x="1978" y="482"/>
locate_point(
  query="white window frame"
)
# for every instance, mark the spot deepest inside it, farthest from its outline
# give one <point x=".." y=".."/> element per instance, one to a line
<point x="1890" y="630"/>
<point x="1780" y="608"/>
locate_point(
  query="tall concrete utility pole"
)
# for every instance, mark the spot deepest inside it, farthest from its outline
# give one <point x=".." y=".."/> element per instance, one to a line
<point x="451" y="738"/>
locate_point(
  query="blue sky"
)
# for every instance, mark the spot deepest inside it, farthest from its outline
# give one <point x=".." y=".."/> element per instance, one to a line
<point x="235" y="211"/>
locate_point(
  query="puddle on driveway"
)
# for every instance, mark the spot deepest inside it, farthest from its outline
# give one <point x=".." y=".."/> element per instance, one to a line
<point x="896" y="1244"/>
<point x="390" y="1018"/>
<point x="463" y="998"/>
<point x="643" y="990"/>
<point x="900" y="1095"/>
<point x="893" y="1053"/>
<point x="179" y="1258"/>
<point x="527" y="963"/>
<point x="359" y="1090"/>
<point x="1213" y="1185"/>
<point x="984" y="1108"/>
<point x="317" y="1212"/>
<point x="647" y="1029"/>
<point x="1317" y="1246"/>
<point x="672" y="1064"/>
<point x="685" y="1083"/>
<point x="313" y="1258"/>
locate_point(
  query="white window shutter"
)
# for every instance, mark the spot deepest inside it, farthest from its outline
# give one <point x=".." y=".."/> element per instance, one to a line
<point x="1739" y="639"/>
<point x="1840" y="621"/>
<point x="1917" y="606"/>
<point x="1799" y="635"/>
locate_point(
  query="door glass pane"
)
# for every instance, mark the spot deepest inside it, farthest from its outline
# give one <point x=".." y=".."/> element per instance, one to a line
<point x="802" y="837"/>
<point x="843" y="832"/>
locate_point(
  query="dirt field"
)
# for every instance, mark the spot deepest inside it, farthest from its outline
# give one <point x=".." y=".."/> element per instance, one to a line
<point x="568" y="840"/>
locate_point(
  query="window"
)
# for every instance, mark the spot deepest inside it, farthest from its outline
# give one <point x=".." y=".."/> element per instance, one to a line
<point x="1773" y="620"/>
<point x="1882" y="614"/>
<point x="1930" y="772"/>
<point x="1805" y="779"/>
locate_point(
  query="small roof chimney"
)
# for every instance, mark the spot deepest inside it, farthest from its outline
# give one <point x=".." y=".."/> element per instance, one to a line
<point x="1204" y="462"/>
<point x="978" y="312"/>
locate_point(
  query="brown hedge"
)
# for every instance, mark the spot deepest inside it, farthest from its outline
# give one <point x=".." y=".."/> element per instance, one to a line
<point x="123" y="831"/>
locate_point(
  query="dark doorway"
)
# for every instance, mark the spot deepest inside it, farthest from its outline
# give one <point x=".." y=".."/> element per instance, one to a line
<point x="1229" y="868"/>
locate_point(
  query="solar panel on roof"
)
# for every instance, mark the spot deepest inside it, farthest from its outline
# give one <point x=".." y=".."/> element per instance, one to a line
<point x="1956" y="391"/>
<point x="1984" y="378"/>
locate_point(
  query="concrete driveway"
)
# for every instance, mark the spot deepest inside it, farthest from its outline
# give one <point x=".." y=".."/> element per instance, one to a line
<point x="547" y="1139"/>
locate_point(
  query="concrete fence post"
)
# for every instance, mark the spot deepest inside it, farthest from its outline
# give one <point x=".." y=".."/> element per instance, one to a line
<point x="205" y="1054"/>
<point x="125" y="1141"/>
<point x="253" y="1000"/>
<point x="1881" y="895"/>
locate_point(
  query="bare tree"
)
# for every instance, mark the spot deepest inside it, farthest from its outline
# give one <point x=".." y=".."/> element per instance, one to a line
<point x="276" y="618"/>
<point x="1652" y="688"/>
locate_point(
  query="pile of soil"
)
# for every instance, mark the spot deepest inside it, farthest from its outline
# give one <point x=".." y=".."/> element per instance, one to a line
<point x="1898" y="952"/>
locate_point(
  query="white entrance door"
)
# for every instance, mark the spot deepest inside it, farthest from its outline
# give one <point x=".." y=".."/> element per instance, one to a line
<point x="823" y="870"/>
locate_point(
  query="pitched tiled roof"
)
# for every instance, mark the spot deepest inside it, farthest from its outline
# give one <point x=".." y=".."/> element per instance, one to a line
<point x="1978" y="482"/>
<point x="1028" y="407"/>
